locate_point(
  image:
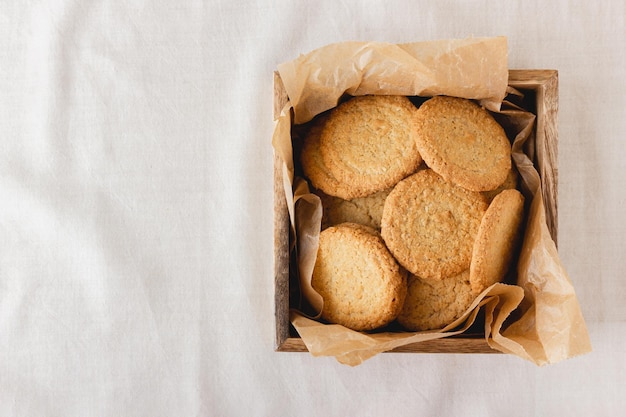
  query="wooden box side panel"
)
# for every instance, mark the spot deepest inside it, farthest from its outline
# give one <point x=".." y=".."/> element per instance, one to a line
<point x="281" y="257"/>
<point x="447" y="345"/>
<point x="547" y="150"/>
<point x="544" y="83"/>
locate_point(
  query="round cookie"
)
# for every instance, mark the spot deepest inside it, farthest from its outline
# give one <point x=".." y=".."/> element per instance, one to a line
<point x="463" y="143"/>
<point x="433" y="304"/>
<point x="368" y="142"/>
<point x="429" y="225"/>
<point x="362" y="285"/>
<point x="367" y="211"/>
<point x="497" y="239"/>
<point x="313" y="164"/>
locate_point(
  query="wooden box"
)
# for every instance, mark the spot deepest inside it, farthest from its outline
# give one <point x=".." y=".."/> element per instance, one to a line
<point x="540" y="88"/>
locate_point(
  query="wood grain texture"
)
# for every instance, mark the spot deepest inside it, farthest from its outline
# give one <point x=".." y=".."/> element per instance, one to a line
<point x="544" y="85"/>
<point x="447" y="345"/>
<point x="292" y="344"/>
<point x="281" y="256"/>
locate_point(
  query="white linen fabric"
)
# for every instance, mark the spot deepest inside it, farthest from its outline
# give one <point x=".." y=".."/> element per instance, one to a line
<point x="136" y="219"/>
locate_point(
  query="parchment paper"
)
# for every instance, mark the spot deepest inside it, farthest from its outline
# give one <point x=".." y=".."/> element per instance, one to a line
<point x="548" y="325"/>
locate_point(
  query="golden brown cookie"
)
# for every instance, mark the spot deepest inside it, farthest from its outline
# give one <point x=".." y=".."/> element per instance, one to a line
<point x="313" y="164"/>
<point x="463" y="143"/>
<point x="362" y="210"/>
<point x="509" y="183"/>
<point x="429" y="225"/>
<point x="362" y="285"/>
<point x="433" y="304"/>
<point x="496" y="240"/>
<point x="368" y="143"/>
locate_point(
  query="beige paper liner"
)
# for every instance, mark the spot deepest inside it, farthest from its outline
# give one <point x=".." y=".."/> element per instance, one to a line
<point x="549" y="326"/>
<point x="351" y="348"/>
<point x="470" y="68"/>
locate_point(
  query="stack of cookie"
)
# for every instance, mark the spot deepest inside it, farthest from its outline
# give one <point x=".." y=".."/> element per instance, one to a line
<point x="421" y="211"/>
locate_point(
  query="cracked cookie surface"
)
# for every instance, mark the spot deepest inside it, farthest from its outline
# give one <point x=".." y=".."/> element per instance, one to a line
<point x="430" y="224"/>
<point x="497" y="239"/>
<point x="369" y="143"/>
<point x="362" y="285"/>
<point x="433" y="304"/>
<point x="463" y="143"/>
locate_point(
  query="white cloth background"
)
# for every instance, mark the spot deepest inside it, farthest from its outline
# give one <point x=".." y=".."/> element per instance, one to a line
<point x="136" y="216"/>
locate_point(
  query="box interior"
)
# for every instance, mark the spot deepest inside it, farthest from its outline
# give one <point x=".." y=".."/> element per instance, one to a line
<point x="540" y="96"/>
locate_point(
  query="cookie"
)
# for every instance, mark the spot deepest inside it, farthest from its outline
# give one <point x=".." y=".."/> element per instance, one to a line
<point x="509" y="183"/>
<point x="463" y="143"/>
<point x="313" y="165"/>
<point x="367" y="211"/>
<point x="497" y="239"/>
<point x="430" y="225"/>
<point x="362" y="285"/>
<point x="433" y="304"/>
<point x="368" y="142"/>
